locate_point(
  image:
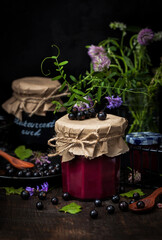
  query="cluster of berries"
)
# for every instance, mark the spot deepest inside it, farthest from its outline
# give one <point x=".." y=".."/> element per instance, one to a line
<point x="123" y="205"/>
<point x="46" y="169"/>
<point x="85" y="114"/>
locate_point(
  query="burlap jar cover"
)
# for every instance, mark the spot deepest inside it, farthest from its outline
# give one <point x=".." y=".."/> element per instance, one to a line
<point x="90" y="138"/>
<point x="33" y="95"/>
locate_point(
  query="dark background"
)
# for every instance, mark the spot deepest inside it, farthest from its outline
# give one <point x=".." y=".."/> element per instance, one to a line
<point x="29" y="28"/>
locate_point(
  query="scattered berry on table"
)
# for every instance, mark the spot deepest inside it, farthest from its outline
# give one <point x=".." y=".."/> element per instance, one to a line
<point x="98" y="203"/>
<point x="54" y="200"/>
<point x="39" y="205"/>
<point x="123" y="206"/>
<point x="42" y="195"/>
<point x="115" y="198"/>
<point x="110" y="209"/>
<point x="140" y="204"/>
<point x="66" y="196"/>
<point x="131" y="201"/>
<point x="25" y="195"/>
<point x="93" y="214"/>
<point x="136" y="196"/>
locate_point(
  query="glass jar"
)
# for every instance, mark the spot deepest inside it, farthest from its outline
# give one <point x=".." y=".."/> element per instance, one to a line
<point x="90" y="151"/>
<point x="32" y="107"/>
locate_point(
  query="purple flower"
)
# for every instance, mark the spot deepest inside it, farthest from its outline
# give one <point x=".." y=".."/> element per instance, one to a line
<point x="82" y="105"/>
<point x="44" y="186"/>
<point x="39" y="158"/>
<point x="114" y="102"/>
<point x="100" y="63"/>
<point x="30" y="190"/>
<point x="95" y="51"/>
<point x="99" y="58"/>
<point x="145" y="36"/>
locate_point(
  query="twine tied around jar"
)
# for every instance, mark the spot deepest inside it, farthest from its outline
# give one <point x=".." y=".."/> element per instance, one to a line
<point x="65" y="143"/>
<point x="25" y="99"/>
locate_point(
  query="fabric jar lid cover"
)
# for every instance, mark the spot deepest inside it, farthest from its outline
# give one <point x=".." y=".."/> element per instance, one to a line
<point x="144" y="138"/>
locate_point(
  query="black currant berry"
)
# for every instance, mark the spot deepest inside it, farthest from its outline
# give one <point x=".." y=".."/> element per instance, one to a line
<point x="115" y="198"/>
<point x="53" y="171"/>
<point x="66" y="196"/>
<point x="101" y="115"/>
<point x="93" y="214"/>
<point x="110" y="209"/>
<point x="35" y="174"/>
<point x="123" y="206"/>
<point x="25" y="195"/>
<point x="20" y="173"/>
<point x="136" y="196"/>
<point x="39" y="205"/>
<point x="140" y="204"/>
<point x="87" y="114"/>
<point x="54" y="200"/>
<point x="131" y="201"/>
<point x="80" y="115"/>
<point x="98" y="203"/>
<point x="74" y="110"/>
<point x="28" y="174"/>
<point x="10" y="172"/>
<point x="92" y="113"/>
<point x="50" y="167"/>
<point x="42" y="195"/>
<point x="71" y="116"/>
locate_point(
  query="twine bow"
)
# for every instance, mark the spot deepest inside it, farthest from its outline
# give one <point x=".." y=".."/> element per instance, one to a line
<point x="65" y="143"/>
<point x="39" y="100"/>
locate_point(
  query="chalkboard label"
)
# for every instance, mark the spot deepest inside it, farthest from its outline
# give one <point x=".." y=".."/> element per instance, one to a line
<point x="34" y="131"/>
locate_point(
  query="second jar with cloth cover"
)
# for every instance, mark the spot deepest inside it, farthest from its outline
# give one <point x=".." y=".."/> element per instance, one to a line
<point x="32" y="107"/>
<point x="90" y="151"/>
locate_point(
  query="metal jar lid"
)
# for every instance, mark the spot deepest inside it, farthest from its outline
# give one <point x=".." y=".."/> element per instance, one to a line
<point x="144" y="138"/>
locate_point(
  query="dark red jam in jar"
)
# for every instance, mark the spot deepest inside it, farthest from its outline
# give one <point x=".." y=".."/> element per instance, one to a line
<point x="90" y="151"/>
<point x="143" y="140"/>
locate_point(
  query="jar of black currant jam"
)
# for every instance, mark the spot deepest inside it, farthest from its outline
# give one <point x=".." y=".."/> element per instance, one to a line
<point x="90" y="151"/>
<point x="140" y="143"/>
<point x="32" y="107"/>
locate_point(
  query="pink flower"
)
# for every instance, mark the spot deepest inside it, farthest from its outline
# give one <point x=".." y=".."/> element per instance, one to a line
<point x="145" y="36"/>
<point x="95" y="51"/>
<point x="100" y="63"/>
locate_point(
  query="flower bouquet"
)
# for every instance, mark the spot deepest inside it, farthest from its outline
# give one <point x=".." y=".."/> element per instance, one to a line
<point x="120" y="74"/>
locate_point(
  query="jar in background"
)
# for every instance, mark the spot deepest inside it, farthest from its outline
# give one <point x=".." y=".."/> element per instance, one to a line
<point x="32" y="106"/>
<point x="147" y="140"/>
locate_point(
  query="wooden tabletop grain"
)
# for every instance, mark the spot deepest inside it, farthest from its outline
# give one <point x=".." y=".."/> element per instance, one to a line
<point x="19" y="219"/>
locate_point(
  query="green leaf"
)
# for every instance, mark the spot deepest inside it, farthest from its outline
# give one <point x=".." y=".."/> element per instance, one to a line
<point x="78" y="92"/>
<point x="22" y="152"/>
<point x="57" y="78"/>
<point x="71" y="208"/>
<point x="63" y="63"/>
<point x="62" y="86"/>
<point x="130" y="193"/>
<point x="73" y="78"/>
<point x="12" y="190"/>
<point x="99" y="94"/>
<point x="128" y="62"/>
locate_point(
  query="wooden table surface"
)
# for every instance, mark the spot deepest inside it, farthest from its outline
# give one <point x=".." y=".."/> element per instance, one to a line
<point x="19" y="219"/>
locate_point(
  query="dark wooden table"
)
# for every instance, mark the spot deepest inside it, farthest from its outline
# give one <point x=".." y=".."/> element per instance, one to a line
<point x="19" y="219"/>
